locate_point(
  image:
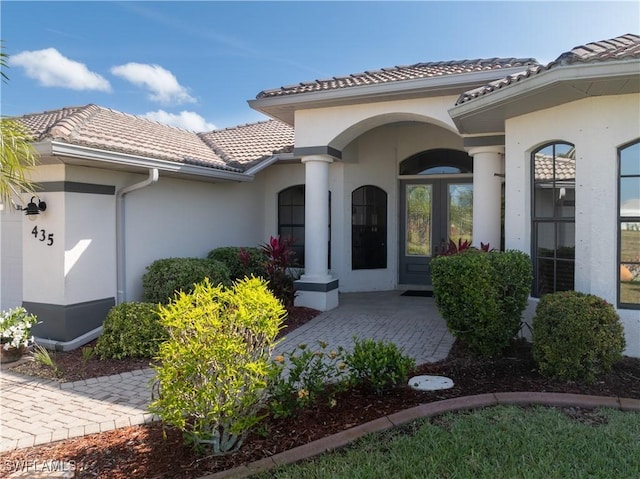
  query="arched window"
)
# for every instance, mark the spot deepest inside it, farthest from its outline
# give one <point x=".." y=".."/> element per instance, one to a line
<point x="368" y="228"/>
<point x="437" y="162"/>
<point x="553" y="217"/>
<point x="629" y="229"/>
<point x="291" y="219"/>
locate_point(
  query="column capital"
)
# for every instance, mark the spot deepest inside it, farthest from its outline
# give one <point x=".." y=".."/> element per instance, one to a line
<point x="317" y="158"/>
<point x="476" y="150"/>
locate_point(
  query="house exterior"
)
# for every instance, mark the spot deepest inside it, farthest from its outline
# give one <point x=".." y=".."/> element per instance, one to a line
<point x="370" y="173"/>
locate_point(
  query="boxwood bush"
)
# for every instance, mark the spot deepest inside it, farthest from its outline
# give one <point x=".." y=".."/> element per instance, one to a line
<point x="131" y="330"/>
<point x="165" y="277"/>
<point x="576" y="336"/>
<point x="242" y="262"/>
<point x="482" y="295"/>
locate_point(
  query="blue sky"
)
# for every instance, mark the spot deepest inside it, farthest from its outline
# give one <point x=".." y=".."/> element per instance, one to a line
<point x="195" y="64"/>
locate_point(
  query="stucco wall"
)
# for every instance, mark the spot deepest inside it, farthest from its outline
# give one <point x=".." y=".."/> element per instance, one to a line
<point x="179" y="218"/>
<point x="10" y="257"/>
<point x="597" y="127"/>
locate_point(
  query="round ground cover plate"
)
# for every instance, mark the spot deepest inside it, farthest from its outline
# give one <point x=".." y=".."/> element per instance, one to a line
<point x="430" y="383"/>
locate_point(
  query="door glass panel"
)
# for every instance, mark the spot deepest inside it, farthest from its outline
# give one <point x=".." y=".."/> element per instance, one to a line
<point x="418" y="214"/>
<point x="460" y="212"/>
<point x="630" y="242"/>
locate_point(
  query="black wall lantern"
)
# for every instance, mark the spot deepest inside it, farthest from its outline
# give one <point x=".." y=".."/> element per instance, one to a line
<point x="33" y="208"/>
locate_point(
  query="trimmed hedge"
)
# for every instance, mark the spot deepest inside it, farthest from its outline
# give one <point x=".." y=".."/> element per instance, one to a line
<point x="131" y="330"/>
<point x="482" y="296"/>
<point x="166" y="277"/>
<point x="242" y="262"/>
<point x="576" y="336"/>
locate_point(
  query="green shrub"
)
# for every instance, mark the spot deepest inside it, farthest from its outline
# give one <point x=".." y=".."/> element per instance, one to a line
<point x="379" y="365"/>
<point x="216" y="365"/>
<point x="242" y="262"/>
<point x="165" y="277"/>
<point x="576" y="336"/>
<point x="302" y="378"/>
<point x="482" y="296"/>
<point x="131" y="330"/>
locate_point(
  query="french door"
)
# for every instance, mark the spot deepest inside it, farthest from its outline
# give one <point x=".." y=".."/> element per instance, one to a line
<point x="432" y="212"/>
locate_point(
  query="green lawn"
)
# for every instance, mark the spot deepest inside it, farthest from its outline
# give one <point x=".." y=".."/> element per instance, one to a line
<point x="496" y="442"/>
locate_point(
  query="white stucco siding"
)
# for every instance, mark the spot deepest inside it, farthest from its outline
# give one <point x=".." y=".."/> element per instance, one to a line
<point x="597" y="127"/>
<point x="89" y="250"/>
<point x="180" y="218"/>
<point x="10" y="257"/>
<point x="337" y="126"/>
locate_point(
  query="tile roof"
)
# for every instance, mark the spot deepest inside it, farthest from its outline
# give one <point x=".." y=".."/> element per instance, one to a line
<point x="619" y="48"/>
<point x="400" y="73"/>
<point x="98" y="127"/>
<point x="244" y="146"/>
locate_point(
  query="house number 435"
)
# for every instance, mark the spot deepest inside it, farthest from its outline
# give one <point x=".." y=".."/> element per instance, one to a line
<point x="42" y="235"/>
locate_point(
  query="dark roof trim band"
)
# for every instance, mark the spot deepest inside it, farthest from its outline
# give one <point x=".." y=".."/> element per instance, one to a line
<point x="493" y="140"/>
<point x="74" y="187"/>
<point x="317" y="150"/>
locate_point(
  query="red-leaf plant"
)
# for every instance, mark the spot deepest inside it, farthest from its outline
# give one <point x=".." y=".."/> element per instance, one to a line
<point x="452" y="248"/>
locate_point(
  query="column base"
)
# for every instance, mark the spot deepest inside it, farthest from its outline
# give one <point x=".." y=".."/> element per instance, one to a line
<point x="322" y="296"/>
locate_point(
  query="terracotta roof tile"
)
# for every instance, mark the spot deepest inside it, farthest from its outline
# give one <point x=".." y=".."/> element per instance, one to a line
<point x="234" y="149"/>
<point x="245" y="145"/>
<point x="400" y="73"/>
<point x="619" y="48"/>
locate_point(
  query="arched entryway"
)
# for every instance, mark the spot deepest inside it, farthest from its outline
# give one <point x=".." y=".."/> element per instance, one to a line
<point x="436" y="205"/>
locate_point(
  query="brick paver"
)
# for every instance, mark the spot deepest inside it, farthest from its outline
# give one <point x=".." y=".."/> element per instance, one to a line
<point x="35" y="411"/>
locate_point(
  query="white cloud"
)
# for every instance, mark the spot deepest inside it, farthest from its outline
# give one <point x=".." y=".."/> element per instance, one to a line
<point x="162" y="84"/>
<point x="50" y="68"/>
<point x="187" y="120"/>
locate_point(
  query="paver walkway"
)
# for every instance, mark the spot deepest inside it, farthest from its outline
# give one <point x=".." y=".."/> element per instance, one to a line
<point x="34" y="411"/>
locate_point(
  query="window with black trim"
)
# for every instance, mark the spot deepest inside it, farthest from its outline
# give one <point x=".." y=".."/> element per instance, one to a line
<point x="368" y="228"/>
<point x="291" y="221"/>
<point x="553" y="218"/>
<point x="629" y="225"/>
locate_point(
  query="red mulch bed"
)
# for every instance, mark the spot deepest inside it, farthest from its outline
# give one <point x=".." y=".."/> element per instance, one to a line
<point x="151" y="452"/>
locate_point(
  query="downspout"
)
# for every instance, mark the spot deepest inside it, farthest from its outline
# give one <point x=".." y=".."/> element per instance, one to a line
<point x="121" y="277"/>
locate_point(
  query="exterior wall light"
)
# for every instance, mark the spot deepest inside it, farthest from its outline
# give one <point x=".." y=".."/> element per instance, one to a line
<point x="33" y="208"/>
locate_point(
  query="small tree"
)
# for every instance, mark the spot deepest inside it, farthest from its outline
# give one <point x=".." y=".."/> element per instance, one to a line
<point x="216" y="364"/>
<point x="18" y="154"/>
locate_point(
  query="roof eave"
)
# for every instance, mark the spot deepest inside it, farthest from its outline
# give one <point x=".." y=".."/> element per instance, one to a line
<point x="114" y="159"/>
<point x="559" y="85"/>
<point x="283" y="107"/>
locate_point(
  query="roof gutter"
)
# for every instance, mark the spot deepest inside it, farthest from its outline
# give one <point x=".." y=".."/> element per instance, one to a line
<point x="123" y="159"/>
<point x="280" y="157"/>
<point x="121" y="277"/>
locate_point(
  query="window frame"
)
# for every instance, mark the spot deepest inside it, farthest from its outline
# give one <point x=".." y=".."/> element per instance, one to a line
<point x="623" y="219"/>
<point x="300" y="243"/>
<point x="554" y="220"/>
<point x="378" y="257"/>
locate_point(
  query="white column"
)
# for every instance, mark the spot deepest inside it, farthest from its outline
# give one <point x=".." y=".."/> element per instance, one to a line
<point x="488" y="168"/>
<point x="316" y="288"/>
<point x="316" y="214"/>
